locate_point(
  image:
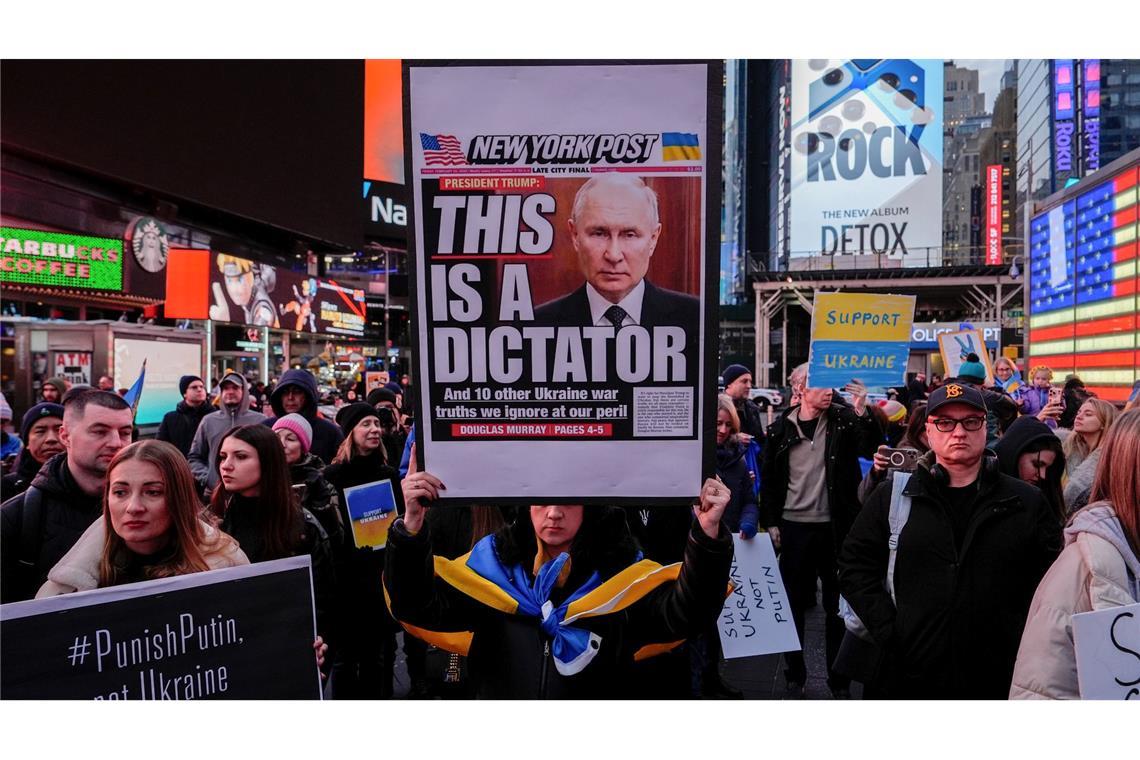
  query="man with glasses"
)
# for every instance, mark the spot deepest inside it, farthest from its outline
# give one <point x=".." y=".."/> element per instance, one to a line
<point x="966" y="564"/>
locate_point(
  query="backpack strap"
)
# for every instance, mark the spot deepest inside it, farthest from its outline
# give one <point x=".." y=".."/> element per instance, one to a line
<point x="31" y="537"/>
<point x="899" y="514"/>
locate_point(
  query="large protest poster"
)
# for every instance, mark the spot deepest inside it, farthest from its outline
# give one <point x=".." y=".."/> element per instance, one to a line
<point x="564" y="289"/>
<point x="240" y="633"/>
<point x="1107" y="646"/>
<point x="859" y="336"/>
<point x="756" y="618"/>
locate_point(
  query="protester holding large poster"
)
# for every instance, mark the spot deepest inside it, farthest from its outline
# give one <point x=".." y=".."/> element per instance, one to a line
<point x="809" y="498"/>
<point x="563" y="292"/>
<point x="555" y="605"/>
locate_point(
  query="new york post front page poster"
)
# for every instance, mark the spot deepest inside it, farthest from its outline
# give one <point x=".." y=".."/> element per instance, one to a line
<point x="564" y="285"/>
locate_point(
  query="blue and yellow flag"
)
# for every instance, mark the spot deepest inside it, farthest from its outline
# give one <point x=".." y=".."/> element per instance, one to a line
<point x="680" y="146"/>
<point x="134" y="394"/>
<point x="480" y="575"/>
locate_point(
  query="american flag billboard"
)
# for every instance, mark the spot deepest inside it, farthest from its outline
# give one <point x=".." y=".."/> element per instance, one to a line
<point x="1083" y="286"/>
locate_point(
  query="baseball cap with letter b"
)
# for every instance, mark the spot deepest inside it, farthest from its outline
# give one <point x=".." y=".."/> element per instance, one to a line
<point x="955" y="393"/>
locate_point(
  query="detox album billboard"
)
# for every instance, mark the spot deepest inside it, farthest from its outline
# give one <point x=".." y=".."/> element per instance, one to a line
<point x="866" y="163"/>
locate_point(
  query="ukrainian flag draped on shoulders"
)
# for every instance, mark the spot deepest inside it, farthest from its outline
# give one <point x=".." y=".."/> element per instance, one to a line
<point x="482" y="576"/>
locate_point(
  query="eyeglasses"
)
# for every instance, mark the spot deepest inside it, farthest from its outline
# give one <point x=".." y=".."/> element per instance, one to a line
<point x="947" y="424"/>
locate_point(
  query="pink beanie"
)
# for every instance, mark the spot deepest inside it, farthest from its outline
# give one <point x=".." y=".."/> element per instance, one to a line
<point x="299" y="426"/>
<point x="895" y="411"/>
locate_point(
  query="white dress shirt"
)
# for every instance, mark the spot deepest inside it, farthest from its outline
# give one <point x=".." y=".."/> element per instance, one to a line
<point x="631" y="304"/>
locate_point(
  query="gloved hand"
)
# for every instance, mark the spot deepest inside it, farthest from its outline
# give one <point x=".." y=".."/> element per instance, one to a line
<point x="748" y="528"/>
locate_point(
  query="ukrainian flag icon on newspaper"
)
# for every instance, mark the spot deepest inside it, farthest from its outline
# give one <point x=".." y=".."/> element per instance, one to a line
<point x="680" y="146"/>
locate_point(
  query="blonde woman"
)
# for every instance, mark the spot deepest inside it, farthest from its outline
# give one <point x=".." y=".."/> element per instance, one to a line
<point x="1082" y="449"/>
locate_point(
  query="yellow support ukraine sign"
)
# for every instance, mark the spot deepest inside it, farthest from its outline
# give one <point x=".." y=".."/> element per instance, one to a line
<point x="859" y="336"/>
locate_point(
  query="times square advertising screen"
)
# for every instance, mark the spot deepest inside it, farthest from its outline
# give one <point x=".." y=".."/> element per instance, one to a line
<point x="866" y="163"/>
<point x="1083" y="287"/>
<point x="385" y="197"/>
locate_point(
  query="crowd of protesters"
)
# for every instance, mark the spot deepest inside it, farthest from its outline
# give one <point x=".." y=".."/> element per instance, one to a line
<point x="1021" y="501"/>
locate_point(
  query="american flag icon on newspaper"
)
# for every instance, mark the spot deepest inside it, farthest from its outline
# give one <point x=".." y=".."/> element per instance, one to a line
<point x="442" y="149"/>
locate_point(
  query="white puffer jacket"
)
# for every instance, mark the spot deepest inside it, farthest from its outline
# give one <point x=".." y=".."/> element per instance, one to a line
<point x="78" y="570"/>
<point x="1097" y="570"/>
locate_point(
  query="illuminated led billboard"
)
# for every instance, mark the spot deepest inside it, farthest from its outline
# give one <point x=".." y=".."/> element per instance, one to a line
<point x="866" y="161"/>
<point x="1083" y="287"/>
<point x="36" y="257"/>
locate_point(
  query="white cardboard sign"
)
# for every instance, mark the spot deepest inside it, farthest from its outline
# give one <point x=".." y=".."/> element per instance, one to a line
<point x="756" y="618"/>
<point x="1108" y="653"/>
<point x="954" y="347"/>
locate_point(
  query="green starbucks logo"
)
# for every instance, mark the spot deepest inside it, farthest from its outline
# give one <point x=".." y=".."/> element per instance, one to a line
<point x="149" y="243"/>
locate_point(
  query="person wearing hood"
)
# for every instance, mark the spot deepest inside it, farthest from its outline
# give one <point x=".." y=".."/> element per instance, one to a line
<point x="296" y="393"/>
<point x="53" y="389"/>
<point x="316" y="494"/>
<point x="39" y="428"/>
<point x="233" y="398"/>
<point x="394" y="436"/>
<point x="1097" y="570"/>
<point x="1031" y="451"/>
<point x="40" y="525"/>
<point x="179" y="426"/>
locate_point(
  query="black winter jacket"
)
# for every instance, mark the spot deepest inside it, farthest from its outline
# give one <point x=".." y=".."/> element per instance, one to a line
<point x="179" y="426"/>
<point x="65" y="512"/>
<point x="751" y="418"/>
<point x="849" y="437"/>
<point x="241" y="521"/>
<point x="360" y="594"/>
<point x="320" y="497"/>
<point x="956" y="629"/>
<point x="510" y="655"/>
<point x="17" y="481"/>
<point x="326" y="435"/>
<point x="733" y="471"/>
